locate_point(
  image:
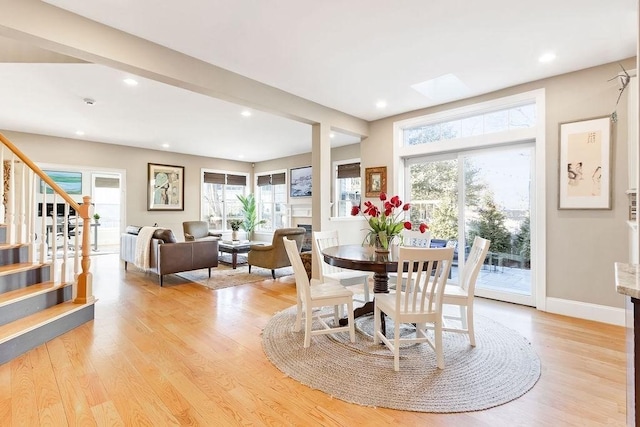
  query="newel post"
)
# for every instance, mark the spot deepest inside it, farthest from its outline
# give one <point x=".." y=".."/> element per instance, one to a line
<point x="84" y="292"/>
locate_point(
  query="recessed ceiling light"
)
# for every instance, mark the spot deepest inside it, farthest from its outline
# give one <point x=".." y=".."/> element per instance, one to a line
<point x="79" y="132"/>
<point x="246" y="113"/>
<point x="165" y="145"/>
<point x="131" y="82"/>
<point x="332" y="135"/>
<point x="381" y="104"/>
<point x="547" y="57"/>
<point x="241" y="156"/>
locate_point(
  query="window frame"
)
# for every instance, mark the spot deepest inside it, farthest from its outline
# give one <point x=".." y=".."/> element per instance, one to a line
<point x="336" y="186"/>
<point x="401" y="154"/>
<point x="226" y="173"/>
<point x="273" y="202"/>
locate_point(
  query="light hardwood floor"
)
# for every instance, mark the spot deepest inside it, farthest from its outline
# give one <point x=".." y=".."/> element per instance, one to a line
<point x="186" y="355"/>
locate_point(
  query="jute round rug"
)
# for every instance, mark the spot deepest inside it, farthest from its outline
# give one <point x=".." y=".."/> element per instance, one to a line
<point x="501" y="368"/>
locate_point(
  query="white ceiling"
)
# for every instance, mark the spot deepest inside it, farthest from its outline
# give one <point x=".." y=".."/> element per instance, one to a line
<point x="344" y="55"/>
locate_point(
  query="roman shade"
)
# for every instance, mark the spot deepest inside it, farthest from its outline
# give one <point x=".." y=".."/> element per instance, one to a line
<point x="104" y="182"/>
<point x="214" y="178"/>
<point x="221" y="178"/>
<point x="236" y="180"/>
<point x="350" y="170"/>
<point x="275" y="179"/>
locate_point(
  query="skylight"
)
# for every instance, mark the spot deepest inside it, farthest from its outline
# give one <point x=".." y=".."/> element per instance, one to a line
<point x="444" y="88"/>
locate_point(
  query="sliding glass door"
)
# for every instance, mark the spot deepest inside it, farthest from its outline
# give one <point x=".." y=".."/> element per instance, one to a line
<point x="483" y="193"/>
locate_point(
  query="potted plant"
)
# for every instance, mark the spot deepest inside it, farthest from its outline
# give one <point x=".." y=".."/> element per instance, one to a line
<point x="96" y="217"/>
<point x="235" y="225"/>
<point x="250" y="214"/>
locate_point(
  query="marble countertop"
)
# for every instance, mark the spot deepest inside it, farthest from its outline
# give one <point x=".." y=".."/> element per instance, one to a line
<point x="627" y="279"/>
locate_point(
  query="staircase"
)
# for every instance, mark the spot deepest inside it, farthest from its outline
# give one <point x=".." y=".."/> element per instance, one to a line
<point x="37" y="301"/>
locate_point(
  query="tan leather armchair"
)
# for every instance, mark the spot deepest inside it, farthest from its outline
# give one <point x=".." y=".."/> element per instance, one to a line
<point x="198" y="230"/>
<point x="274" y="255"/>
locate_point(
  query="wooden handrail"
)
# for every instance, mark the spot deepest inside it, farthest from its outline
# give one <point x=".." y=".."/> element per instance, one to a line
<point x="84" y="286"/>
<point x="40" y="173"/>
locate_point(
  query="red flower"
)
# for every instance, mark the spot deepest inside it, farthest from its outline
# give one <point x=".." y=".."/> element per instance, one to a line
<point x="373" y="211"/>
<point x="385" y="222"/>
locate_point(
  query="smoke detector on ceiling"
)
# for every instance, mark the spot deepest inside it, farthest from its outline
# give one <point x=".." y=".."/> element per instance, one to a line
<point x="89" y="101"/>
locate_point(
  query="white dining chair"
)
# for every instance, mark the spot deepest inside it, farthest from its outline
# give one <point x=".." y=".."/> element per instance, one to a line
<point x="461" y="293"/>
<point x="415" y="239"/>
<point x="326" y="239"/>
<point x="315" y="294"/>
<point x="419" y="303"/>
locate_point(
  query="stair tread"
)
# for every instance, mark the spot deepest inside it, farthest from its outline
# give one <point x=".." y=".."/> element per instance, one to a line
<point x="28" y="291"/>
<point x="20" y="326"/>
<point x="18" y="267"/>
<point x="12" y="245"/>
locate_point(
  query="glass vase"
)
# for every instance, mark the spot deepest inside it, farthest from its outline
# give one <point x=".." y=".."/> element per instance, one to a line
<point x="379" y="247"/>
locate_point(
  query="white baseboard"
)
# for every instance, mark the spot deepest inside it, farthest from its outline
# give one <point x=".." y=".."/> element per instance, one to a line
<point x="585" y="310"/>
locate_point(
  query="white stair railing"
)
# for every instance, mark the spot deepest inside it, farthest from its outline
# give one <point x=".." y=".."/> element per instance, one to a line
<point x="20" y="197"/>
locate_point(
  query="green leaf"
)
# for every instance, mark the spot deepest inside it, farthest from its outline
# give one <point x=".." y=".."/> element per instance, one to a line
<point x="249" y="212"/>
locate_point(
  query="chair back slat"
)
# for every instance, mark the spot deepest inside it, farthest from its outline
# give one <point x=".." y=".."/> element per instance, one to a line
<point x="427" y="272"/>
<point x="415" y="238"/>
<point x="302" y="280"/>
<point x="473" y="264"/>
<point x="321" y="241"/>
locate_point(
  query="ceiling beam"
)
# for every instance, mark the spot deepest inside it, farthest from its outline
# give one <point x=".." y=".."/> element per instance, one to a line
<point x="58" y="30"/>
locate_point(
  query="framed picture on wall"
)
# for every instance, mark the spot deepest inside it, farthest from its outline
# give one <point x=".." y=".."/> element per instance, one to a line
<point x="71" y="182"/>
<point x="165" y="187"/>
<point x="375" y="181"/>
<point x="300" y="182"/>
<point x="585" y="164"/>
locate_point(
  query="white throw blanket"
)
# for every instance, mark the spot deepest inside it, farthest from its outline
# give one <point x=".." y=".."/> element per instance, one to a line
<point x="143" y="247"/>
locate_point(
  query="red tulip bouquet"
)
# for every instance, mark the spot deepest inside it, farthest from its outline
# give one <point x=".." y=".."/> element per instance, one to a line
<point x="386" y="223"/>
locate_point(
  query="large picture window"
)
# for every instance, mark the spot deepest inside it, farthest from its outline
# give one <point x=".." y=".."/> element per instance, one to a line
<point x="464" y="183"/>
<point x="271" y="199"/>
<point x="220" y="202"/>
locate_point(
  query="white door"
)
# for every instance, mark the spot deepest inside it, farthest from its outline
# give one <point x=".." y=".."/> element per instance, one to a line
<point x="106" y="197"/>
<point x="487" y="193"/>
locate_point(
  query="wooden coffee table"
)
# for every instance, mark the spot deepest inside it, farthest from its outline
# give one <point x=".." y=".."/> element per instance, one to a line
<point x="234" y="249"/>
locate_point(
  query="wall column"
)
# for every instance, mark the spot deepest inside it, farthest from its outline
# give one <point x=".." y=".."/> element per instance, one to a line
<point x="321" y="191"/>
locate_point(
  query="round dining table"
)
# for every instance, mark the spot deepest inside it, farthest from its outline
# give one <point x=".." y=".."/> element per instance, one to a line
<point x="364" y="258"/>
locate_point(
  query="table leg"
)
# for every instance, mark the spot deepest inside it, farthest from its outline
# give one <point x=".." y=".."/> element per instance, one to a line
<point x="234" y="259"/>
<point x="380" y="286"/>
<point x="380" y="283"/>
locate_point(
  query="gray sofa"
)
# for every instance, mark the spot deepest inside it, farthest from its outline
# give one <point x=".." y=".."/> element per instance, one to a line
<point x="167" y="256"/>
